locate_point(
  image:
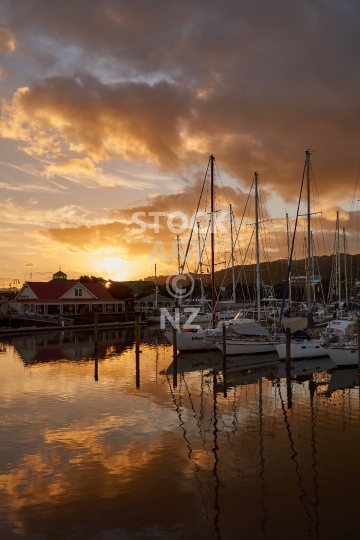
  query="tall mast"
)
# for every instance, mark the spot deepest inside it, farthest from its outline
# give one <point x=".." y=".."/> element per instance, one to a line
<point x="156" y="289"/>
<point x="257" y="249"/>
<point x="345" y="271"/>
<point x="338" y="278"/>
<point x="308" y="269"/>
<point x="212" y="159"/>
<point x="313" y="267"/>
<point x="200" y="267"/>
<point x="289" y="254"/>
<point x="179" y="263"/>
<point x="232" y="255"/>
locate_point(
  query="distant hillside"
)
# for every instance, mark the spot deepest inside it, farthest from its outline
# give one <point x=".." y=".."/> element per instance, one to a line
<point x="275" y="272"/>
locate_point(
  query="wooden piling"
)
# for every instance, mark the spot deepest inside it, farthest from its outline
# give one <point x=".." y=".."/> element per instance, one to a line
<point x="96" y="329"/>
<point x="224" y="343"/>
<point x="175" y="371"/>
<point x="358" y="342"/>
<point x="224" y="358"/>
<point x="288" y="386"/>
<point x="137" y="368"/>
<point x="137" y="332"/>
<point x="174" y="342"/>
<point x="175" y="356"/>
<point x="288" y="346"/>
<point x="137" y="348"/>
<point x="96" y="365"/>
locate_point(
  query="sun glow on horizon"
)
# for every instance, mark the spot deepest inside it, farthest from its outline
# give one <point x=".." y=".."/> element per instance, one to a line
<point x="115" y="268"/>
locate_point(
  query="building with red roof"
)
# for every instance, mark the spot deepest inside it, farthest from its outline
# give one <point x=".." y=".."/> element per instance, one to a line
<point x="65" y="297"/>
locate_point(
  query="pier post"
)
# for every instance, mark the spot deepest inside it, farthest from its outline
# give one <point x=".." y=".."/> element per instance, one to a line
<point x="358" y="342"/>
<point x="288" y="386"/>
<point x="96" y="330"/>
<point x="137" y="333"/>
<point x="96" y="365"/>
<point x="175" y="371"/>
<point x="288" y="349"/>
<point x="224" y="358"/>
<point x="174" y="342"/>
<point x="137" y="348"/>
<point x="137" y="367"/>
<point x="175" y="355"/>
<point x="224" y="343"/>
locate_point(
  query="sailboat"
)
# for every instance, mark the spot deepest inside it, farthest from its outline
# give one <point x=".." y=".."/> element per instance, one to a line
<point x="250" y="337"/>
<point x="306" y="346"/>
<point x="192" y="339"/>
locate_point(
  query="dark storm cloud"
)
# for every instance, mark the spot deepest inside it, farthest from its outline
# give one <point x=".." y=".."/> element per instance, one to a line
<point x="254" y="82"/>
<point x="7" y="40"/>
<point x="98" y="120"/>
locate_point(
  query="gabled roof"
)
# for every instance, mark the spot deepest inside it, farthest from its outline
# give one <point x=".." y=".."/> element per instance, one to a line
<point x="53" y="291"/>
<point x="71" y="293"/>
<point x="99" y="291"/>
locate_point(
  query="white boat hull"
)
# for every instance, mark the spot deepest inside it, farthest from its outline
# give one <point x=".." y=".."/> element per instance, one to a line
<point x="191" y="341"/>
<point x="243" y="346"/>
<point x="305" y="349"/>
<point x="344" y="356"/>
<point x="199" y="319"/>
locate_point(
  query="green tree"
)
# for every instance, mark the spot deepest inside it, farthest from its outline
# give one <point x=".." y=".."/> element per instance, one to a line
<point x="92" y="279"/>
<point x="120" y="291"/>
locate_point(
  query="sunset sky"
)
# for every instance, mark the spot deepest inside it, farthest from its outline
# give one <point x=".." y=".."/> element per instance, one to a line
<point x="113" y="107"/>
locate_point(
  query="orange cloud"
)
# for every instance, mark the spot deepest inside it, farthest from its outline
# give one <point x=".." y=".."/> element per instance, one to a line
<point x="75" y="168"/>
<point x="96" y="121"/>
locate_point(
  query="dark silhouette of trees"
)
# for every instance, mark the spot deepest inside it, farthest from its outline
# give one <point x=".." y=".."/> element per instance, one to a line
<point x="120" y="291"/>
<point x="92" y="279"/>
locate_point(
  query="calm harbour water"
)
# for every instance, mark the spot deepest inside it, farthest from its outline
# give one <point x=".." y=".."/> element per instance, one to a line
<point x="86" y="454"/>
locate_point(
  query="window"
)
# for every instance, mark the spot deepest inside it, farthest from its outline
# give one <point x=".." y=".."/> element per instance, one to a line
<point x="78" y="292"/>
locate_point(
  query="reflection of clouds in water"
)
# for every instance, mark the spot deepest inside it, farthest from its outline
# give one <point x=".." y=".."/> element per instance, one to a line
<point x="78" y="465"/>
<point x="103" y="460"/>
<point x="82" y="479"/>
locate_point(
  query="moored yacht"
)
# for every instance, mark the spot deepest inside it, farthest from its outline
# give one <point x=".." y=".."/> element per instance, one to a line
<point x="344" y="355"/>
<point x="302" y="345"/>
<point x="245" y="338"/>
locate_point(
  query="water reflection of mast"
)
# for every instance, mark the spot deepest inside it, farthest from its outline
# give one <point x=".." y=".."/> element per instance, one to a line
<point x="312" y="388"/>
<point x="303" y="496"/>
<point x="198" y="417"/>
<point x="262" y="461"/>
<point x="187" y="441"/>
<point x="216" y="462"/>
<point x="215" y="448"/>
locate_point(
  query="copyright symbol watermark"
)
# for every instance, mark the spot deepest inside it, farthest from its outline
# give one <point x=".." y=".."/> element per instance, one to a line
<point x="174" y="282"/>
